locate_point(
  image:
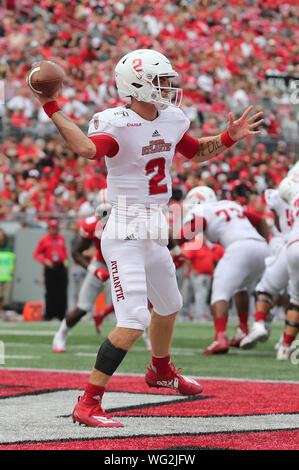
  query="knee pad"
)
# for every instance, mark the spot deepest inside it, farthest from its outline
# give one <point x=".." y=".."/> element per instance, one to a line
<point x="136" y="318"/>
<point x="173" y="306"/>
<point x="262" y="297"/>
<point x="294" y="324"/>
<point x="293" y="306"/>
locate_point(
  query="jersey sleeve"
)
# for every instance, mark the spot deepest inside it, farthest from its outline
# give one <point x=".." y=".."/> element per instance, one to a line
<point x="105" y="145"/>
<point x="87" y="227"/>
<point x="102" y="133"/>
<point x="188" y="146"/>
<point x="272" y="198"/>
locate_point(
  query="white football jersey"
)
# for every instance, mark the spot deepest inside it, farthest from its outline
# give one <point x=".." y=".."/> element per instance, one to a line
<point x="294" y="208"/>
<point x="282" y="209"/>
<point x="140" y="171"/>
<point x="226" y="222"/>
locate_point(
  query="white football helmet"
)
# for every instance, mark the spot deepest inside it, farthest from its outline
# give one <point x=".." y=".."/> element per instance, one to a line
<point x="294" y="176"/>
<point x="103" y="212"/>
<point x="102" y="207"/>
<point x="135" y="75"/>
<point x="101" y="197"/>
<point x="287" y="189"/>
<point x="199" y="195"/>
<point x="293" y="170"/>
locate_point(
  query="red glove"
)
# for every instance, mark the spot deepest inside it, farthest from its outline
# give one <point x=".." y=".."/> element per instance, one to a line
<point x="179" y="260"/>
<point x="100" y="274"/>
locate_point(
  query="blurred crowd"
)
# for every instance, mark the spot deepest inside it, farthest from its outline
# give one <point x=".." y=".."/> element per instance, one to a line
<point x="224" y="53"/>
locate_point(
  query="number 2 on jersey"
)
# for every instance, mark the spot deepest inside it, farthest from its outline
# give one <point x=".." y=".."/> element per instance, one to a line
<point x="156" y="166"/>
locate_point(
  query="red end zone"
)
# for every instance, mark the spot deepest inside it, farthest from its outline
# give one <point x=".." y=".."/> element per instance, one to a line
<point x="220" y="398"/>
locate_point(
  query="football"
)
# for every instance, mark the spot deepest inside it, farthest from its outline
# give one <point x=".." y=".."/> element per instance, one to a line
<point x="45" y="78"/>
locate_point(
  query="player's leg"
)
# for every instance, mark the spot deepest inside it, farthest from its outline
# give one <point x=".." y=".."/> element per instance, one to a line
<point x="125" y="260"/>
<point x="90" y="289"/>
<point x="226" y="281"/>
<point x="273" y="281"/>
<point x="166" y="299"/>
<point x="242" y="262"/>
<point x="100" y="316"/>
<point x="241" y="300"/>
<point x="292" y="316"/>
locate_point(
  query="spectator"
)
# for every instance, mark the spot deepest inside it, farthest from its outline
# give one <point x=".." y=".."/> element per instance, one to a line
<point x="7" y="267"/>
<point x="290" y="128"/>
<point x="52" y="253"/>
<point x="21" y="101"/>
<point x="202" y="257"/>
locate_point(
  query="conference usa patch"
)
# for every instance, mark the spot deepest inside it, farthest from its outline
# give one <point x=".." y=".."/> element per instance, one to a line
<point x="36" y="414"/>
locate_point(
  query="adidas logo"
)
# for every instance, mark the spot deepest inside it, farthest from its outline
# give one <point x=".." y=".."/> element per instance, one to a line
<point x="156" y="134"/>
<point x="169" y="383"/>
<point x="131" y="237"/>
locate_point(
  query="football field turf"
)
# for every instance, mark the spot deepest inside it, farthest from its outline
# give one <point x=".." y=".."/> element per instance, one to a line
<point x="28" y="345"/>
<point x="249" y="399"/>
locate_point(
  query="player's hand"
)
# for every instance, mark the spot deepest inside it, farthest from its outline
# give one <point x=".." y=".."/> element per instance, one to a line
<point x="48" y="263"/>
<point x="244" y="126"/>
<point x="101" y="274"/>
<point x="45" y="99"/>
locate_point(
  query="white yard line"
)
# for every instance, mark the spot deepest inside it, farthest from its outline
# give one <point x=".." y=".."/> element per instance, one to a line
<point x="27" y="332"/>
<point x="19" y="357"/>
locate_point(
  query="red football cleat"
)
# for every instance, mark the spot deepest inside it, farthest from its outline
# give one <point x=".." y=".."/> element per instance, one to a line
<point x="173" y="380"/>
<point x="98" y="320"/>
<point x="219" y="345"/>
<point x="93" y="415"/>
<point x="237" y="338"/>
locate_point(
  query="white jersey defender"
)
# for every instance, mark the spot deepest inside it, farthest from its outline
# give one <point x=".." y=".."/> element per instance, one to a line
<point x="241" y="266"/>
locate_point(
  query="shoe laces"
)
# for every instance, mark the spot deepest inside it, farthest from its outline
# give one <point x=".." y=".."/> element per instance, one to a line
<point x="173" y="370"/>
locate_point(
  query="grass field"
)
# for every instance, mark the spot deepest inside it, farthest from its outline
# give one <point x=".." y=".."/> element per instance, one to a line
<point x="28" y="345"/>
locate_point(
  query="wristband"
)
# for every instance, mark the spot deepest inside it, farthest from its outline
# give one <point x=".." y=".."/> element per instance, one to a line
<point x="51" y="107"/>
<point x="226" y="139"/>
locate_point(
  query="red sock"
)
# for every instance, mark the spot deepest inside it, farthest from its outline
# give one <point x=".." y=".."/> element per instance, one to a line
<point x="288" y="339"/>
<point x="259" y="315"/>
<point x="93" y="394"/>
<point x="161" y="364"/>
<point x="243" y="321"/>
<point x="108" y="310"/>
<point x="220" y="324"/>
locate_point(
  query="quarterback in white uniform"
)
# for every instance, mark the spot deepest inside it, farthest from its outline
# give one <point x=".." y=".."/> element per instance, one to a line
<point x="275" y="277"/>
<point x="138" y="142"/>
<point x="289" y="192"/>
<point x="227" y="223"/>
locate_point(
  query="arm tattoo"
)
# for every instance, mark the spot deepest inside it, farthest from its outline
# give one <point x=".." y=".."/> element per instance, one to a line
<point x="214" y="146"/>
<point x="209" y="148"/>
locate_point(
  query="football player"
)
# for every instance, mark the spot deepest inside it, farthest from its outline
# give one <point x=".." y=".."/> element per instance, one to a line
<point x="289" y="192"/>
<point x="138" y="142"/>
<point x="243" y="236"/>
<point x="275" y="277"/>
<point x="90" y="231"/>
